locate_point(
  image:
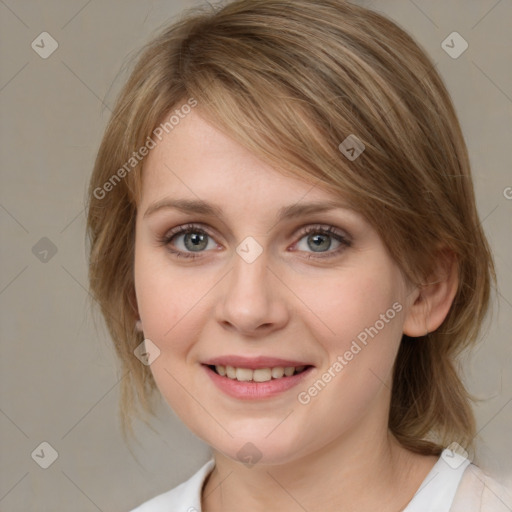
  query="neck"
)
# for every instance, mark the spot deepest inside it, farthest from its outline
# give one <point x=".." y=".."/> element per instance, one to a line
<point x="355" y="473"/>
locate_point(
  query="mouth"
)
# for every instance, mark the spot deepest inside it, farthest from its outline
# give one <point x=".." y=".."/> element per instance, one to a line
<point x="258" y="374"/>
<point x="256" y="379"/>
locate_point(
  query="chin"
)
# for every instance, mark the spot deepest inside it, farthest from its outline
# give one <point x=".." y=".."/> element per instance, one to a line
<point x="258" y="447"/>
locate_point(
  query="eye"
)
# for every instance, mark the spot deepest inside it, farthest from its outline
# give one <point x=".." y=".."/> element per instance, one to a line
<point x="320" y="240"/>
<point x="188" y="239"/>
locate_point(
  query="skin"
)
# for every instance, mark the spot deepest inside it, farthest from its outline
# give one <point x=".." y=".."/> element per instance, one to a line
<point x="335" y="453"/>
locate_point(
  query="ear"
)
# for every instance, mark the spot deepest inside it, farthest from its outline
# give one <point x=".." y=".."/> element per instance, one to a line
<point x="433" y="300"/>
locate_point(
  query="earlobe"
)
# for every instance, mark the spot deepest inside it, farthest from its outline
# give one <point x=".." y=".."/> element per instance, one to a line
<point x="434" y="299"/>
<point x="132" y="299"/>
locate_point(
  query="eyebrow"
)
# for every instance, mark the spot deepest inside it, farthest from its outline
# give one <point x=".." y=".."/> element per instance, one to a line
<point x="200" y="207"/>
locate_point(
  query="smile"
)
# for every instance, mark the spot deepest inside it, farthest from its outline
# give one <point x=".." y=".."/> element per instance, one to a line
<point x="258" y="375"/>
<point x="256" y="383"/>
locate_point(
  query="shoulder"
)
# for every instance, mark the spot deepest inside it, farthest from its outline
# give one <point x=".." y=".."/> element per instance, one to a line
<point x="479" y="492"/>
<point x="186" y="497"/>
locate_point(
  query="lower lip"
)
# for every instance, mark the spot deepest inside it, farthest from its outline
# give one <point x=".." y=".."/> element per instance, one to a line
<point x="255" y="390"/>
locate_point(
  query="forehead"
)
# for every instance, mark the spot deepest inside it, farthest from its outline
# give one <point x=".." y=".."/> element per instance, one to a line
<point x="197" y="161"/>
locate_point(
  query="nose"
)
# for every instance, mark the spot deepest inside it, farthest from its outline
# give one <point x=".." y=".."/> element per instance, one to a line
<point x="252" y="301"/>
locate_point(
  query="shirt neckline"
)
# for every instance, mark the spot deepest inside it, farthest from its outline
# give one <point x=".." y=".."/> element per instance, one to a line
<point x="435" y="494"/>
<point x="437" y="491"/>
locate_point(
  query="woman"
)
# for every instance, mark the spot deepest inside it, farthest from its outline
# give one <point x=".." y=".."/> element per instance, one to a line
<point x="284" y="242"/>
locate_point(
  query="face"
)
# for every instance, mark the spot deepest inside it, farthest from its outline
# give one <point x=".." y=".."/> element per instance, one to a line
<point x="241" y="269"/>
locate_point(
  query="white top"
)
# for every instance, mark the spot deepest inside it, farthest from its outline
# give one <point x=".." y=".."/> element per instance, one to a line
<point x="452" y="485"/>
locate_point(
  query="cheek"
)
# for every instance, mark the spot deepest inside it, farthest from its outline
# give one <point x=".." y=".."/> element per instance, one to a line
<point x="172" y="304"/>
<point x="366" y="315"/>
<point x="161" y="301"/>
<point x="167" y="304"/>
<point x="355" y="302"/>
<point x="163" y="294"/>
<point x="361" y="317"/>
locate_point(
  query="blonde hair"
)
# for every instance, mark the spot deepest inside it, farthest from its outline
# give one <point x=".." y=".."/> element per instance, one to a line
<point x="290" y="81"/>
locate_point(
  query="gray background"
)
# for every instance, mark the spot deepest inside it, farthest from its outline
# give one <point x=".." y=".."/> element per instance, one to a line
<point x="59" y="377"/>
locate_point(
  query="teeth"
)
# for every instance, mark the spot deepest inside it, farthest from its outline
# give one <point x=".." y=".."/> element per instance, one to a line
<point x="262" y="375"/>
<point x="289" y="371"/>
<point x="259" y="375"/>
<point x="278" y="372"/>
<point x="243" y="374"/>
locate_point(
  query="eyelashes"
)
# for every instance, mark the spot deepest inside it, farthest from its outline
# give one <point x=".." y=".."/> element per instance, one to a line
<point x="315" y="233"/>
<point x="328" y="232"/>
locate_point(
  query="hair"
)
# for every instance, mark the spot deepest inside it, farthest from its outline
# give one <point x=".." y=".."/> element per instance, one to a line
<point x="290" y="81"/>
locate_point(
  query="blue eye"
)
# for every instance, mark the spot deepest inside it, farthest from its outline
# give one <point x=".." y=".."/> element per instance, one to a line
<point x="186" y="240"/>
<point x="321" y="239"/>
<point x="194" y="239"/>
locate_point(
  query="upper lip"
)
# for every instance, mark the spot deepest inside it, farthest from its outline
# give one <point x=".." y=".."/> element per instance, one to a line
<point x="253" y="363"/>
